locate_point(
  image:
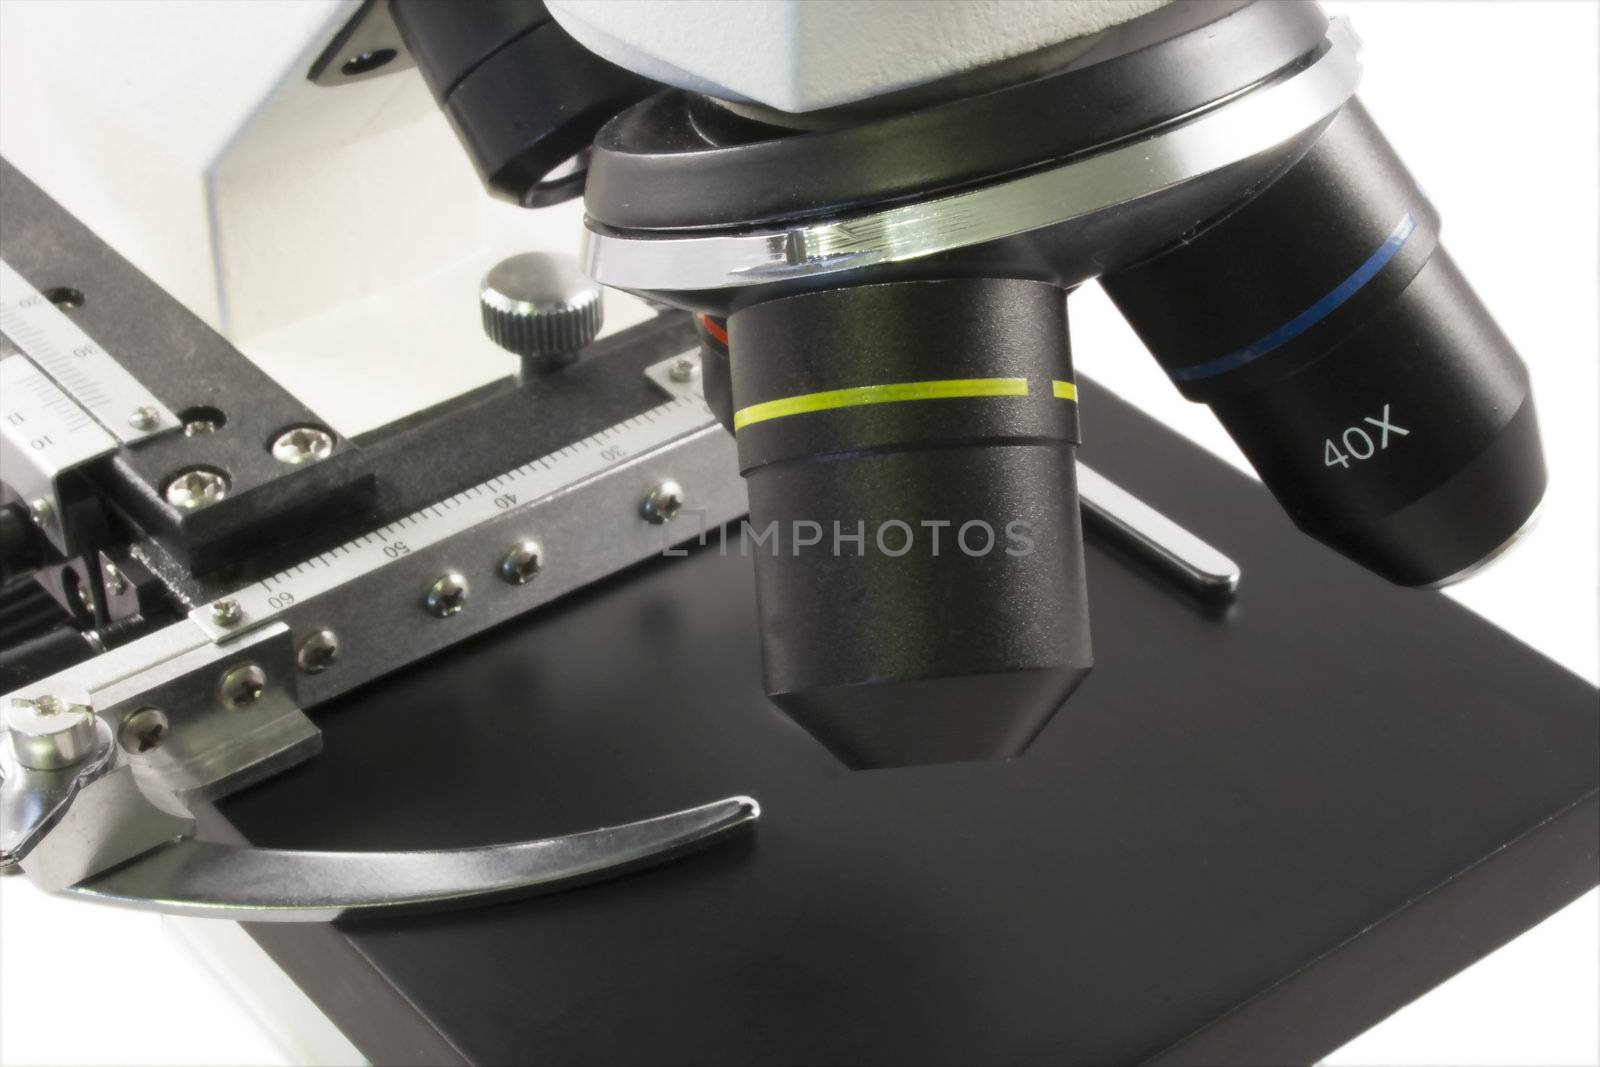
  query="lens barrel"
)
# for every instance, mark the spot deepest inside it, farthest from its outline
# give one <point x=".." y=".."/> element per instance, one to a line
<point x="1339" y="345"/>
<point x="909" y="453"/>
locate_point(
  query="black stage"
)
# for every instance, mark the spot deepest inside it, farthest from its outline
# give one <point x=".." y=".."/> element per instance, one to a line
<point x="1248" y="837"/>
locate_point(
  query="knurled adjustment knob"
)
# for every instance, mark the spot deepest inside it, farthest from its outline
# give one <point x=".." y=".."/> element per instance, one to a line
<point x="540" y="306"/>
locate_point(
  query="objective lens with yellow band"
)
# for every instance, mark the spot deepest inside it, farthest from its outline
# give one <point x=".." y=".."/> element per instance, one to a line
<point x="944" y="413"/>
<point x="893" y="393"/>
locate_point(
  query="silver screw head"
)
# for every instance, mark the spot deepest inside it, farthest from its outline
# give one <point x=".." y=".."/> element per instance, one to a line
<point x="227" y="612"/>
<point x="144" y="418"/>
<point x="302" y="444"/>
<point x="115" y="581"/>
<point x="317" y="652"/>
<point x="198" y="427"/>
<point x="447" y="595"/>
<point x="521" y="562"/>
<point x="49" y="733"/>
<point x="142" y="731"/>
<point x="196" y="488"/>
<point x="242" y="686"/>
<point x="684" y="369"/>
<point x="664" y="502"/>
<point x="41" y="512"/>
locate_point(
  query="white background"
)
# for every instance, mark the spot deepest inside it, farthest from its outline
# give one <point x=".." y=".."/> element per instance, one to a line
<point x="1493" y="106"/>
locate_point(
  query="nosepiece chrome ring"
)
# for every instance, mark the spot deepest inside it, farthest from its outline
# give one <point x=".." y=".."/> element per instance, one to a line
<point x="1244" y="126"/>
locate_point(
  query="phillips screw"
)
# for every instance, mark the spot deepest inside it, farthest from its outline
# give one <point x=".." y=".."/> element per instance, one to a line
<point x="447" y="595"/>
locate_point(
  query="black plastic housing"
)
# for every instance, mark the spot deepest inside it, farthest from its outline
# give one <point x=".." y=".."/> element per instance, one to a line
<point x="929" y="640"/>
<point x="523" y="96"/>
<point x="680" y="161"/>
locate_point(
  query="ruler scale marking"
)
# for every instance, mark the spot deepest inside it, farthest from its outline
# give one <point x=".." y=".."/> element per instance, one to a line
<point x="435" y="523"/>
<point x="81" y="368"/>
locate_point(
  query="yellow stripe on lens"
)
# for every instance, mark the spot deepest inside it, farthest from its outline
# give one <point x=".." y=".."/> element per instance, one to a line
<point x="1063" y="390"/>
<point x="861" y="395"/>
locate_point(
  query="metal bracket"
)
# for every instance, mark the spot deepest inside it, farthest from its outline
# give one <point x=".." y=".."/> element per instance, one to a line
<point x="43" y="435"/>
<point x="64" y="402"/>
<point x="229" y="715"/>
<point x="367" y="46"/>
<point x="214" y="718"/>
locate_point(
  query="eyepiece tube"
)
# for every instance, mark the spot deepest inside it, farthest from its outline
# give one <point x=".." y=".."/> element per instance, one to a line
<point x="909" y="454"/>
<point x="1339" y="345"/>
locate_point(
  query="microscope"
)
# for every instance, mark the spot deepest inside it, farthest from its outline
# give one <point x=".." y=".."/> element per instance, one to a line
<point x="829" y="528"/>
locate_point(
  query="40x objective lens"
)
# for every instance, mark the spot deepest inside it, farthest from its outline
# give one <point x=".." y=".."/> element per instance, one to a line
<point x="1343" y="350"/>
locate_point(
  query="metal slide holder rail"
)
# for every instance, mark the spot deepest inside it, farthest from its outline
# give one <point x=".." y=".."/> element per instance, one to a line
<point x="100" y="765"/>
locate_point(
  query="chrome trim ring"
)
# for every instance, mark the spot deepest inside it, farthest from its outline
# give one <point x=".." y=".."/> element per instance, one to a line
<point x="1246" y="125"/>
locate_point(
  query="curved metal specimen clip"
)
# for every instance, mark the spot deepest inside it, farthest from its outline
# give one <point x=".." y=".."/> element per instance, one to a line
<point x="204" y="878"/>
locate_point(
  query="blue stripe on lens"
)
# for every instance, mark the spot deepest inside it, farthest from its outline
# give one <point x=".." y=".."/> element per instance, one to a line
<point x="1307" y="318"/>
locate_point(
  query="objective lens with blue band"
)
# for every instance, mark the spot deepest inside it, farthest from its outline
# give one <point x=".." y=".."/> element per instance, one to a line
<point x="1360" y="374"/>
<point x="1310" y="316"/>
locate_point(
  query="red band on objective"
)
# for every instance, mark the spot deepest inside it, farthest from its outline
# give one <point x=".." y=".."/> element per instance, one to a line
<point x="718" y="334"/>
